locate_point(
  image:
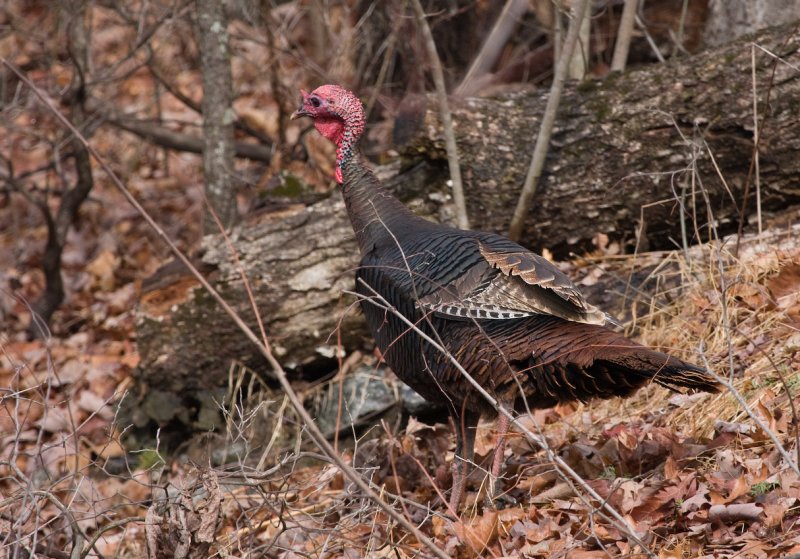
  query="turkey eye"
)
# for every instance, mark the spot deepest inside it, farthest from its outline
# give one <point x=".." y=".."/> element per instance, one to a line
<point x="315" y="102"/>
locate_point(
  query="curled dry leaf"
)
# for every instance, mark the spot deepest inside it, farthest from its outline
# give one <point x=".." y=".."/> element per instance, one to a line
<point x="775" y="513"/>
<point x="721" y="426"/>
<point x="55" y="420"/>
<point x="102" y="270"/>
<point x="785" y="288"/>
<point x="92" y="403"/>
<point x="478" y="532"/>
<point x="264" y="119"/>
<point x="730" y="514"/>
<point x="68" y="373"/>
<point x="631" y="495"/>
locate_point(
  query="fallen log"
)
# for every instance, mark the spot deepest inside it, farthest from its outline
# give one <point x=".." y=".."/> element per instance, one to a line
<point x="628" y="153"/>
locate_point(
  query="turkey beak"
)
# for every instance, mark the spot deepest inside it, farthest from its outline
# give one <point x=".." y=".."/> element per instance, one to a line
<point x="302" y="110"/>
<point x="299" y="112"/>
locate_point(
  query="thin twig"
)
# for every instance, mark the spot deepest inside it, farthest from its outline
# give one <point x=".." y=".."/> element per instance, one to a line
<point x="108" y="527"/>
<point x="682" y="23"/>
<point x="624" y="34"/>
<point x="493" y="45"/>
<point x="579" y="61"/>
<point x="548" y="120"/>
<point x="756" y="135"/>
<point x="728" y="328"/>
<point x="650" y="40"/>
<point x="447" y="119"/>
<point x="786" y="388"/>
<point x="264" y="346"/>
<point x="175" y="91"/>
<point x="171" y="139"/>
<point x="743" y="403"/>
<point x="40" y="548"/>
<point x="558" y="32"/>
<point x="383" y="71"/>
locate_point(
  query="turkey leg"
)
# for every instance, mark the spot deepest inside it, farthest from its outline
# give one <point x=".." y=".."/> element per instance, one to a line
<point x="465" y="423"/>
<point x="499" y="450"/>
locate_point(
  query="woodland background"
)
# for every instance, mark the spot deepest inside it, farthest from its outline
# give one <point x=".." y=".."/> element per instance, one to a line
<point x="137" y="419"/>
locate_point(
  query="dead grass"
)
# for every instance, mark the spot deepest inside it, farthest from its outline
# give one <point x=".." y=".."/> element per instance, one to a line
<point x="283" y="496"/>
<point x="748" y="324"/>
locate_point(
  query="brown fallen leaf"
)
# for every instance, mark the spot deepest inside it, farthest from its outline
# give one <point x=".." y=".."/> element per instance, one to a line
<point x="734" y="488"/>
<point x="680" y="550"/>
<point x="102" y="270"/>
<point x="671" y="468"/>
<point x="631" y="495"/>
<point x="559" y="491"/>
<point x="721" y="426"/>
<point x="485" y="438"/>
<point x="92" y="403"/>
<point x="588" y="554"/>
<point x="478" y="532"/>
<point x="774" y="513"/>
<point x="68" y="373"/>
<point x="55" y="420"/>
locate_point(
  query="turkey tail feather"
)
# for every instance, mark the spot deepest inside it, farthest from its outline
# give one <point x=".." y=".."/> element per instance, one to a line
<point x="665" y="370"/>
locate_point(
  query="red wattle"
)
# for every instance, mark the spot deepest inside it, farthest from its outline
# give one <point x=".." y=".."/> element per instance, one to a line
<point x="331" y="128"/>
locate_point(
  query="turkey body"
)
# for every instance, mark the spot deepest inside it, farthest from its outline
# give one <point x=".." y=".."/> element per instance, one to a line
<point x="533" y="361"/>
<point x="509" y="318"/>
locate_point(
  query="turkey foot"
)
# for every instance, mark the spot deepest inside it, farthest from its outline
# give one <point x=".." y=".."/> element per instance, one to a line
<point x="464" y="425"/>
<point x="492" y="497"/>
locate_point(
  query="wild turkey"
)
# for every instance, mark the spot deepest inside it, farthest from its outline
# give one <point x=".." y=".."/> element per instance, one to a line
<point x="509" y="317"/>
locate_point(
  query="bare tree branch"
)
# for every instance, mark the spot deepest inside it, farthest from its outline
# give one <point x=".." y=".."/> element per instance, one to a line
<point x="274" y="70"/>
<point x="548" y="120"/>
<point x="72" y="197"/>
<point x="447" y="119"/>
<point x="624" y="34"/>
<point x="493" y="45"/>
<point x="579" y="62"/>
<point x="40" y="548"/>
<point x="197" y="107"/>
<point x="164" y="137"/>
<point x="650" y="40"/>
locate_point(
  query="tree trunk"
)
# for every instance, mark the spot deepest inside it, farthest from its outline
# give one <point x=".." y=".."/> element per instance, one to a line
<point x="619" y="161"/>
<point x="74" y="13"/>
<point x="218" y="115"/>
<point x="729" y="19"/>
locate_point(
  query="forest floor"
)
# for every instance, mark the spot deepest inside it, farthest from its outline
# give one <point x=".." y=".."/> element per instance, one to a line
<point x="692" y="475"/>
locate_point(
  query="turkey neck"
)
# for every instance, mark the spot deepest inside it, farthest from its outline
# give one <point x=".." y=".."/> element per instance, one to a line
<point x="378" y="218"/>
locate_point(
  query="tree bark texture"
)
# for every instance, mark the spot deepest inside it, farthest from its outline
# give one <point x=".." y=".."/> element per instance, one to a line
<point x="618" y="161"/>
<point x="621" y="149"/>
<point x="298" y="260"/>
<point x="731" y="19"/>
<point x="218" y="115"/>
